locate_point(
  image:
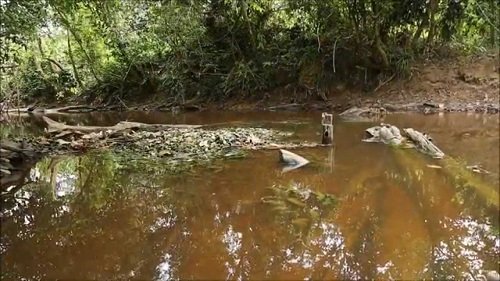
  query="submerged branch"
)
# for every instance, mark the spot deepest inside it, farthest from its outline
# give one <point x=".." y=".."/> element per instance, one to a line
<point x="390" y="135"/>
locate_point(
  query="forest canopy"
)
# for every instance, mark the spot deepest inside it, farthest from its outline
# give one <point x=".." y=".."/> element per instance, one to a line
<point x="113" y="49"/>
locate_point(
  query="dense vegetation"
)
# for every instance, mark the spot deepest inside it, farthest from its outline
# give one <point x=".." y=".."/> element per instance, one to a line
<point x="109" y="50"/>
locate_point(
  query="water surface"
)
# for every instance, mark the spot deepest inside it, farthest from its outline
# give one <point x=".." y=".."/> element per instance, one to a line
<point x="100" y="216"/>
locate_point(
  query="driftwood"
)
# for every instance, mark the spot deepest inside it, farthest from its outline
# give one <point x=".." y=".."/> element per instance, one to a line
<point x="290" y="106"/>
<point x="274" y="146"/>
<point x="65" y="109"/>
<point x="423" y="143"/>
<point x="389" y="134"/>
<point x="54" y="126"/>
<point x="18" y="110"/>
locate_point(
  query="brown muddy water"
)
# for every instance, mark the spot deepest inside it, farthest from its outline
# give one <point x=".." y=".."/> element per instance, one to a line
<point x="99" y="216"/>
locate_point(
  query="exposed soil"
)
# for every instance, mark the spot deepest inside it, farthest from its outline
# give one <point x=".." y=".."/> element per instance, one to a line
<point x="464" y="84"/>
<point x="459" y="84"/>
<point x="464" y="81"/>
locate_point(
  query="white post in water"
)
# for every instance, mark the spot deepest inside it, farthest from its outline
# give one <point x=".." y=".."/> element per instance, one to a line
<point x="327" y="125"/>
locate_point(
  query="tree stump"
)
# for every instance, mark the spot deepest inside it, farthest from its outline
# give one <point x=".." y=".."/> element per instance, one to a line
<point x="327" y="128"/>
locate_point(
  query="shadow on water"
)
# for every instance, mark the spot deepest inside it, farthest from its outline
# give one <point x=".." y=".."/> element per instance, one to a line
<point x="102" y="216"/>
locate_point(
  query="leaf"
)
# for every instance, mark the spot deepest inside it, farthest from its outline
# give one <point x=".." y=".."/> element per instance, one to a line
<point x="164" y="152"/>
<point x="320" y="195"/>
<point x="62" y="142"/>
<point x="296" y="202"/>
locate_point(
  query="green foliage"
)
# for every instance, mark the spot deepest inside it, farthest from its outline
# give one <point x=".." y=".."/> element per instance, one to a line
<point x="401" y="60"/>
<point x="219" y="48"/>
<point x="243" y="76"/>
<point x="20" y="21"/>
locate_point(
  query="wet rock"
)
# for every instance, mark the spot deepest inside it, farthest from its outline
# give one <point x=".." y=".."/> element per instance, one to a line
<point x="492" y="275"/>
<point x="291" y="160"/>
<point x="363" y="113"/>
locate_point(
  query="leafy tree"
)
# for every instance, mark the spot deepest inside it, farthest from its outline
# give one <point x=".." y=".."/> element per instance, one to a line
<point x="216" y="48"/>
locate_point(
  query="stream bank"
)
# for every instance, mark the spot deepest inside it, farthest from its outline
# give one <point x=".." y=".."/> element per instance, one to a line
<point x="463" y="84"/>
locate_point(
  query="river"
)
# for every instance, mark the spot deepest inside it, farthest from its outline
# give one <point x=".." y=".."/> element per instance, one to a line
<point x="396" y="215"/>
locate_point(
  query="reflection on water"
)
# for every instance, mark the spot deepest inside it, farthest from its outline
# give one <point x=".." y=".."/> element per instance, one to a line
<point x="99" y="216"/>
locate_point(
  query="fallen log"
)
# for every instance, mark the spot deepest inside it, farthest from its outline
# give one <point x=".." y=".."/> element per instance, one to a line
<point x="423" y="143"/>
<point x="274" y="146"/>
<point x="54" y="126"/>
<point x="71" y="109"/>
<point x="20" y="110"/>
<point x="389" y="134"/>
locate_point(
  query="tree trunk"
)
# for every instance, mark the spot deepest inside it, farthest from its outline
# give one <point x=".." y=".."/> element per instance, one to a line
<point x="379" y="45"/>
<point x="433" y="6"/>
<point x="72" y="60"/>
<point x="244" y="13"/>
<point x="419" y="31"/>
<point x="53" y="62"/>
<point x="40" y="47"/>
<point x="78" y="40"/>
<point x="36" y="61"/>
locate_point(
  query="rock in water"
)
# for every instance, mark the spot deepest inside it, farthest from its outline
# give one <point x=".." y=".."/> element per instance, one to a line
<point x="292" y="160"/>
<point x="492" y="275"/>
